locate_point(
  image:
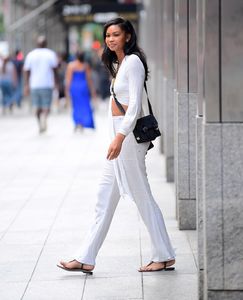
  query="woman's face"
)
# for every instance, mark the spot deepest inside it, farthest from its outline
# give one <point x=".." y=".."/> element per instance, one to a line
<point x="115" y="38"/>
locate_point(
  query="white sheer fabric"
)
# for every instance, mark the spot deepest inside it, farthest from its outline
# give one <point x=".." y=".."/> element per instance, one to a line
<point x="126" y="176"/>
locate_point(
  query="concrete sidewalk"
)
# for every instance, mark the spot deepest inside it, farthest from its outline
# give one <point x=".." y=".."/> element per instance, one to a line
<point x="47" y="196"/>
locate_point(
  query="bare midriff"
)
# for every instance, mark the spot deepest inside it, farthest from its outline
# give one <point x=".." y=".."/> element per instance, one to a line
<point x="115" y="110"/>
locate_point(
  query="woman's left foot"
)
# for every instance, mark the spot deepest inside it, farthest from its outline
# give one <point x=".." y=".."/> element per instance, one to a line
<point x="75" y="266"/>
<point x="158" y="266"/>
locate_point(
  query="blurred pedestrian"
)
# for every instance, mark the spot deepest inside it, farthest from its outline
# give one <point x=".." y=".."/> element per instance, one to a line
<point x="61" y="71"/>
<point x="80" y="89"/>
<point x="40" y="78"/>
<point x="103" y="77"/>
<point x="125" y="171"/>
<point x="8" y="81"/>
<point x="18" y="61"/>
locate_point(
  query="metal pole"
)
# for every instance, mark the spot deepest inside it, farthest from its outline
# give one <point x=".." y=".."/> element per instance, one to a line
<point x="31" y="15"/>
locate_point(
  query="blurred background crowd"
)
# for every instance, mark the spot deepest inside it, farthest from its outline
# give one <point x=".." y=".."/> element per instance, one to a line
<point x="69" y="26"/>
<point x="12" y="77"/>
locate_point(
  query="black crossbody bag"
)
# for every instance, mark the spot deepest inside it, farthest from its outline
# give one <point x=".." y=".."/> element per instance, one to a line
<point x="146" y="128"/>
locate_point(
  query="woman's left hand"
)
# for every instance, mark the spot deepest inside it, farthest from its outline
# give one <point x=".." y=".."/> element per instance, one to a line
<point x="115" y="147"/>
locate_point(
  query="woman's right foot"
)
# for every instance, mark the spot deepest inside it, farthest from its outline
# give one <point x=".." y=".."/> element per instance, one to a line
<point x="158" y="266"/>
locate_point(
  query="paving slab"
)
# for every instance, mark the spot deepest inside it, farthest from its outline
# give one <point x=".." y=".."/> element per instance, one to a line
<point x="170" y="286"/>
<point x="111" y="288"/>
<point x="11" y="290"/>
<point x="70" y="289"/>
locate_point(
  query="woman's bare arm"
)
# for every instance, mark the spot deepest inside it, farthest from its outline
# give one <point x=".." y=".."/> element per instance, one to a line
<point x="68" y="78"/>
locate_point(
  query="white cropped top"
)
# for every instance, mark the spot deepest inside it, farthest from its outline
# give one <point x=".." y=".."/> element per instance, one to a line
<point x="128" y="87"/>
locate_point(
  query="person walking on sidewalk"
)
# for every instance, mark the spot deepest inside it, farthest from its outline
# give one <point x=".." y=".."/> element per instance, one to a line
<point x="8" y="82"/>
<point x="40" y="77"/>
<point x="125" y="171"/>
<point x="80" y="90"/>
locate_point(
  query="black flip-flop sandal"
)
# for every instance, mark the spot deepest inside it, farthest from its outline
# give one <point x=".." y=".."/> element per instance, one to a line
<point x="81" y="269"/>
<point x="165" y="268"/>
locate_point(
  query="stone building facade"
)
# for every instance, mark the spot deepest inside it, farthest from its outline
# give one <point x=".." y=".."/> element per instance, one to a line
<point x="195" y="49"/>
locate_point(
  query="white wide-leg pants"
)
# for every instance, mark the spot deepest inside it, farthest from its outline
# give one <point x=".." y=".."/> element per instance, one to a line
<point x="126" y="175"/>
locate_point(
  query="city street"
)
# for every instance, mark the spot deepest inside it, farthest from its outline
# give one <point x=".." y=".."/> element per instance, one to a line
<point x="48" y="187"/>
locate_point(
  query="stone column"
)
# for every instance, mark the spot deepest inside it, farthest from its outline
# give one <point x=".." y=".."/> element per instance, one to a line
<point x="222" y="151"/>
<point x="154" y="50"/>
<point x="168" y="87"/>
<point x="157" y="76"/>
<point x="199" y="145"/>
<point x="158" y="42"/>
<point x="185" y="97"/>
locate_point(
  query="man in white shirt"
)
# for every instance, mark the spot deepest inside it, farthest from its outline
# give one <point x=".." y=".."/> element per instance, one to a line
<point x="40" y="78"/>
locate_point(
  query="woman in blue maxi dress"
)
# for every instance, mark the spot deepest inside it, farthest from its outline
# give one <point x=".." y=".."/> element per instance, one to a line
<point x="79" y="88"/>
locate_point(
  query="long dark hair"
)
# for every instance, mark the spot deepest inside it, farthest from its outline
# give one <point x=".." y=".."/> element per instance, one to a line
<point x="109" y="57"/>
<point x="80" y="56"/>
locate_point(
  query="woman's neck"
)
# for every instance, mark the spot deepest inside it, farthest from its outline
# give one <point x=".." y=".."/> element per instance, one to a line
<point x="120" y="56"/>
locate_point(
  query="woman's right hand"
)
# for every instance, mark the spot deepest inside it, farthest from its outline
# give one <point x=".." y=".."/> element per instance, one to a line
<point x="115" y="147"/>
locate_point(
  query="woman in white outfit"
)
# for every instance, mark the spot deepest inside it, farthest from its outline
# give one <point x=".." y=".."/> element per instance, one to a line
<point x="125" y="171"/>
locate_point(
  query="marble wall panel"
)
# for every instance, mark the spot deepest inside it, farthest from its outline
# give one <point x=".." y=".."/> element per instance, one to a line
<point x="169" y="130"/>
<point x="213" y="206"/>
<point x="225" y="295"/>
<point x="199" y="207"/>
<point x="192" y="112"/>
<point x="182" y="135"/>
<point x="232" y="148"/>
<point x="187" y="215"/>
